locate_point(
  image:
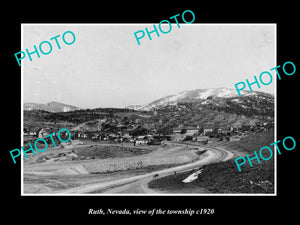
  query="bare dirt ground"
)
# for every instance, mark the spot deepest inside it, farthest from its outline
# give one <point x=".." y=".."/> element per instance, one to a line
<point x="139" y="184"/>
<point x="61" y="171"/>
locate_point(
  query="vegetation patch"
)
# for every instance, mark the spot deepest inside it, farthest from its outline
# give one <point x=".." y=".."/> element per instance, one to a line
<point x="253" y="142"/>
<point x="222" y="177"/>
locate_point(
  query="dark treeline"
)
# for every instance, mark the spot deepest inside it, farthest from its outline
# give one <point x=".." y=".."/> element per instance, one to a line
<point x="77" y="116"/>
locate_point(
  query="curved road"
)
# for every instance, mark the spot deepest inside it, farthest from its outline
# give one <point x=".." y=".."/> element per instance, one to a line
<point x="141" y="186"/>
<point x="138" y="184"/>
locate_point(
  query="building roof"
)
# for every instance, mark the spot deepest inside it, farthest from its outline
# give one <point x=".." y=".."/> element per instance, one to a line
<point x="141" y="137"/>
<point x="190" y="128"/>
<point x="202" y="138"/>
<point x="177" y="130"/>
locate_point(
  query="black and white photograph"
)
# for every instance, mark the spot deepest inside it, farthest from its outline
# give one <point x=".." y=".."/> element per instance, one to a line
<point x="167" y="114"/>
<point x="149" y="113"/>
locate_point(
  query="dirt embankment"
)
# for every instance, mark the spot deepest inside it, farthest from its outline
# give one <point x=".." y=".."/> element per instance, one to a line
<point x="112" y="165"/>
<point x="162" y="156"/>
<point x="91" y="152"/>
<point x="108" y="158"/>
<point x="71" y="166"/>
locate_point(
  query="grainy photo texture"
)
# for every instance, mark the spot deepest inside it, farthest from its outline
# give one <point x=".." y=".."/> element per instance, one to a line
<point x="162" y="117"/>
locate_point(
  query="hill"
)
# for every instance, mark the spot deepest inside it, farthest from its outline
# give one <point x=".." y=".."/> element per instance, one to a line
<point x="213" y="108"/>
<point x="50" y="107"/>
<point x="206" y="108"/>
<point x="215" y="96"/>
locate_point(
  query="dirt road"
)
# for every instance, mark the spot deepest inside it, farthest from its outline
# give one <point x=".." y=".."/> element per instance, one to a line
<point x="138" y="184"/>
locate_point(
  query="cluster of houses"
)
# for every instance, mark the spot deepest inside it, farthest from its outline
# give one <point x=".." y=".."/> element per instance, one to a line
<point x="43" y="132"/>
<point x="140" y="135"/>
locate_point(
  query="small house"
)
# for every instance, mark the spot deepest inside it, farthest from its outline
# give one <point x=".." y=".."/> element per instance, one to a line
<point x="154" y="142"/>
<point x="202" y="139"/>
<point x="177" y="131"/>
<point x="141" y="140"/>
<point x="207" y="130"/>
<point x="82" y="135"/>
<point x="191" y="131"/>
<point x="43" y="132"/>
<point x="32" y="132"/>
<point x="234" y="138"/>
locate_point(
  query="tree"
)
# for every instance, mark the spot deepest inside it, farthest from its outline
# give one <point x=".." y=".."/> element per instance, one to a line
<point x="164" y="130"/>
<point x="139" y="131"/>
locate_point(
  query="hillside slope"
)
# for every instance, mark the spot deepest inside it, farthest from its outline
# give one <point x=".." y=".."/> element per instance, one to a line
<point x="215" y="108"/>
<point x="50" y="107"/>
<point x="205" y="96"/>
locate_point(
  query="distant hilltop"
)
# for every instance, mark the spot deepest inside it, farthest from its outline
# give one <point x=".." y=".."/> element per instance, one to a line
<point x="214" y="97"/>
<point x="50" y="107"/>
<point x="202" y="96"/>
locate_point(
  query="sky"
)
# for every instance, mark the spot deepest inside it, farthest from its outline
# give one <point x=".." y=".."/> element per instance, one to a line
<point x="105" y="66"/>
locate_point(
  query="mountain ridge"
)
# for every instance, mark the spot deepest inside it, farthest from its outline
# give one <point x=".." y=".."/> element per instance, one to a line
<point x="198" y="95"/>
<point x="50" y="107"/>
<point x="218" y="108"/>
